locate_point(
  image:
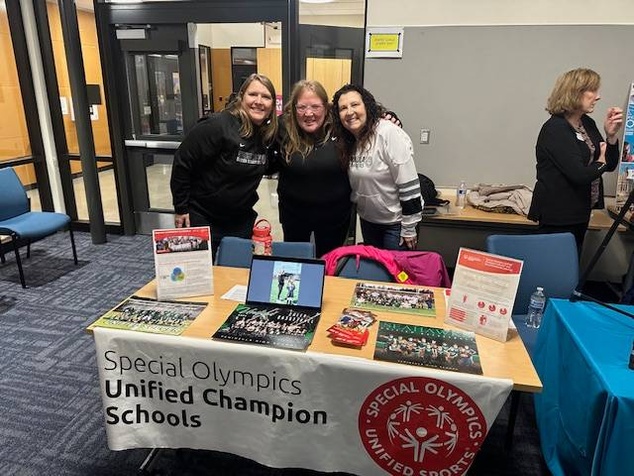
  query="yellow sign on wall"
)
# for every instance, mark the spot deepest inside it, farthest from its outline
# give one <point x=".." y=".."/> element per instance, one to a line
<point x="384" y="43"/>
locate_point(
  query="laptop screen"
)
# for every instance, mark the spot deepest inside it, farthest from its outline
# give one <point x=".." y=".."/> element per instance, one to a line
<point x="286" y="281"/>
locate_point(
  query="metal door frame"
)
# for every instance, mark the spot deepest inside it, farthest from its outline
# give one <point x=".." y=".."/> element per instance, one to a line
<point x="111" y="15"/>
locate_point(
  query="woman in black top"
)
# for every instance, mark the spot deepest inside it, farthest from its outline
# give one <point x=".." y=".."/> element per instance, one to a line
<point x="313" y="188"/>
<point x="572" y="156"/>
<point x="219" y="165"/>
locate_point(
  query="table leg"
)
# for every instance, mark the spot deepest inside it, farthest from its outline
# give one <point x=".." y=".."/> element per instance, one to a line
<point x="510" y="429"/>
<point x="144" y="469"/>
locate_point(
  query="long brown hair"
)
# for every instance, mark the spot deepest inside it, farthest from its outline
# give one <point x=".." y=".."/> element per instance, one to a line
<point x="347" y="143"/>
<point x="268" y="129"/>
<point x="297" y="140"/>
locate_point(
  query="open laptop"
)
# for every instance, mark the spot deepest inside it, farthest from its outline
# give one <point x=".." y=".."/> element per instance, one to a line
<point x="283" y="304"/>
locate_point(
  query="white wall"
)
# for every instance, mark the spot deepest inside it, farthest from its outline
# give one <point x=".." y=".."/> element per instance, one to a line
<point x="353" y="21"/>
<point x="499" y="12"/>
<point x="226" y="35"/>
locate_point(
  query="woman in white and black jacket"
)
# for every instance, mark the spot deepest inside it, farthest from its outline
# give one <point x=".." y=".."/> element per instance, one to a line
<point x="218" y="167"/>
<point x="379" y="157"/>
<point x="572" y="155"/>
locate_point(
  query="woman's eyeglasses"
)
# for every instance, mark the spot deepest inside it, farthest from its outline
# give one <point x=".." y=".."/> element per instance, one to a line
<point x="304" y="108"/>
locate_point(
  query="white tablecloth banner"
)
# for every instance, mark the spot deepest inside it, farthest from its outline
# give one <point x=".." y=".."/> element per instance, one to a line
<point x="292" y="409"/>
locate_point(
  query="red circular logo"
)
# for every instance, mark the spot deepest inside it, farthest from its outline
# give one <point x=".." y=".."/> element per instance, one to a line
<point x="421" y="426"/>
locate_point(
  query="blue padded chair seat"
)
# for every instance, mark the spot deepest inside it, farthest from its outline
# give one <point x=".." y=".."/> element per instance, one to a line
<point x="237" y="252"/>
<point x="368" y="269"/>
<point x="23" y="225"/>
<point x="290" y="249"/>
<point x="35" y="225"/>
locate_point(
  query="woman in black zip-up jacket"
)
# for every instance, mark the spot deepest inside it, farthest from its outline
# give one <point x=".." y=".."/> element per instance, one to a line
<point x="572" y="155"/>
<point x="218" y="167"/>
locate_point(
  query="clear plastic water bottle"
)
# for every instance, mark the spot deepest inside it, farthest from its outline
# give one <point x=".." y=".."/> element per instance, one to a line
<point x="461" y="195"/>
<point x="536" y="308"/>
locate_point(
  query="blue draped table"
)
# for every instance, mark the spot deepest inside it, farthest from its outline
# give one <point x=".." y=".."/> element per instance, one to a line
<point x="585" y="413"/>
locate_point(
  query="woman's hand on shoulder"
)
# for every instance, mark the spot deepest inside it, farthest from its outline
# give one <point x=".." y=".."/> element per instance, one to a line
<point x="392" y="117"/>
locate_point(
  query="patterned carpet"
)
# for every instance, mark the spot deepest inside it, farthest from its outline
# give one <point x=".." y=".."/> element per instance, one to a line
<point x="51" y="420"/>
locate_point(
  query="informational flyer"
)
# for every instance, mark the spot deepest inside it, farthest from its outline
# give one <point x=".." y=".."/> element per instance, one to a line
<point x="625" y="180"/>
<point x="483" y="293"/>
<point x="182" y="258"/>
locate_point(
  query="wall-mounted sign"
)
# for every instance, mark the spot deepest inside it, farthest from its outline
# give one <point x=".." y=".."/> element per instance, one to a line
<point x="384" y="42"/>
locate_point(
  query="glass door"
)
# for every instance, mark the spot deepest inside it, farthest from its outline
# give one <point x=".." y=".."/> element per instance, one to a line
<point x="170" y="64"/>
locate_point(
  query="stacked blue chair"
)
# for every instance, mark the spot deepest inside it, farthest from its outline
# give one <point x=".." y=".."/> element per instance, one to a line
<point x="22" y="225"/>
<point x="550" y="261"/>
<point x="236" y="252"/>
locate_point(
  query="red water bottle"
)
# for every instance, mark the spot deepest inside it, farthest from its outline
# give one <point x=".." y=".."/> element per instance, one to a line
<point x="262" y="238"/>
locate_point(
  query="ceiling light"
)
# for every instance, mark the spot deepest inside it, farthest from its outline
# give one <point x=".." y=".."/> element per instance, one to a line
<point x="316" y="1"/>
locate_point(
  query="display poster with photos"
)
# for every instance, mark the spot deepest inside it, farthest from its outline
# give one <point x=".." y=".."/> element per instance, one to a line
<point x="410" y="300"/>
<point x="149" y="315"/>
<point x="283" y="327"/>
<point x="428" y="347"/>
<point x="483" y="293"/>
<point x="625" y="179"/>
<point x="182" y="258"/>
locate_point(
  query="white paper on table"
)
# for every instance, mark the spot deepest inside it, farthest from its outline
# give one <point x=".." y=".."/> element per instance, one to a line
<point x="236" y="293"/>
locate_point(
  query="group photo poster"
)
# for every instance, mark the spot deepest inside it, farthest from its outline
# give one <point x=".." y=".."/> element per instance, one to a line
<point x="182" y="258"/>
<point x="483" y="293"/>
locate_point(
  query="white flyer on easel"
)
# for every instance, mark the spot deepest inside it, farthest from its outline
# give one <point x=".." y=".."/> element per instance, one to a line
<point x="483" y="293"/>
<point x="182" y="258"/>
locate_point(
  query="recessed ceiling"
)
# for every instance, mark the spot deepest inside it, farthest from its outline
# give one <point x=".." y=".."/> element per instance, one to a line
<point x="338" y="7"/>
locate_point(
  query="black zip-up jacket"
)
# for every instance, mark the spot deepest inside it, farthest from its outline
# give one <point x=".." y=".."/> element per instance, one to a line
<point x="562" y="193"/>
<point x="216" y="172"/>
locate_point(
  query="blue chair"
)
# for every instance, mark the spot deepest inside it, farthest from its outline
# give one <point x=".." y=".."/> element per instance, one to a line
<point x="236" y="252"/>
<point x="550" y="261"/>
<point x="368" y="269"/>
<point x="22" y="225"/>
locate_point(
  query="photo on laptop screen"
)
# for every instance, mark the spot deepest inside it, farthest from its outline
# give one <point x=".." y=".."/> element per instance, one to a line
<point x="286" y="281"/>
<point x="283" y="304"/>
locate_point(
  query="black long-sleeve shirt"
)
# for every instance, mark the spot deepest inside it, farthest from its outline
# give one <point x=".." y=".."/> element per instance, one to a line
<point x="315" y="188"/>
<point x="216" y="172"/>
<point x="562" y="194"/>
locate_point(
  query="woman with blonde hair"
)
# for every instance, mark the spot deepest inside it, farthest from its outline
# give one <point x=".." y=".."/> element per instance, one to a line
<point x="313" y="188"/>
<point x="572" y="156"/>
<point x="219" y="165"/>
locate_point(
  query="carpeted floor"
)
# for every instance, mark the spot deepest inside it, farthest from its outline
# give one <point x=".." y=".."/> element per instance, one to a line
<point x="51" y="419"/>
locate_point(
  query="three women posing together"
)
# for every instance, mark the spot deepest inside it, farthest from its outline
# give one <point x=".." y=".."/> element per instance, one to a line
<point x="326" y="156"/>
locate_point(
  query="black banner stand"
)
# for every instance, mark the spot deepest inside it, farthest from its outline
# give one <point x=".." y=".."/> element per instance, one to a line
<point x="578" y="294"/>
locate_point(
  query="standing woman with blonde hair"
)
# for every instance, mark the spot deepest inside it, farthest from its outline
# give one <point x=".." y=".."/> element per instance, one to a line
<point x="572" y="156"/>
<point x="313" y="188"/>
<point x="219" y="165"/>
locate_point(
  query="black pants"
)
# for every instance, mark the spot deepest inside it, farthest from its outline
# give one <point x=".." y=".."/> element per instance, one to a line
<point x="241" y="226"/>
<point x="327" y="236"/>
<point x="578" y="230"/>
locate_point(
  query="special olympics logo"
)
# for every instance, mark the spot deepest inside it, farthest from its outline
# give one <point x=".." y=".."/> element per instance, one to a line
<point x="421" y="426"/>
